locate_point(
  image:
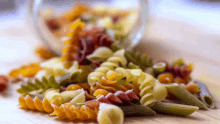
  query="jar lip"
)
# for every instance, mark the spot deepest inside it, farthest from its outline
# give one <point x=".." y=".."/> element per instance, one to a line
<point x="136" y="34"/>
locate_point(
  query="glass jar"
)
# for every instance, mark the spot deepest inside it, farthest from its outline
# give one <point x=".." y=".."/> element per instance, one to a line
<point x="39" y="9"/>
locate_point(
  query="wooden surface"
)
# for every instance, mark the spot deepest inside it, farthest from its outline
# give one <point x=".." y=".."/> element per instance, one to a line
<point x="164" y="40"/>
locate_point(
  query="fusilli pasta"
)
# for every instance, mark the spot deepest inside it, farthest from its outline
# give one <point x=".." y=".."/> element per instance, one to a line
<point x="72" y="112"/>
<point x="110" y="114"/>
<point x="113" y="62"/>
<point x="36" y="104"/>
<point x="100" y="54"/>
<point x="178" y="70"/>
<point x="71" y="44"/>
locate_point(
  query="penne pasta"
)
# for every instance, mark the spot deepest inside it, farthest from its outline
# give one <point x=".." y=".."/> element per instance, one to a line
<point x="184" y="95"/>
<point x="137" y="110"/>
<point x="205" y="95"/>
<point x="174" y="109"/>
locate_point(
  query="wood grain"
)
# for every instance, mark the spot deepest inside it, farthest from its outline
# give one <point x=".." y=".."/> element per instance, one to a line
<point x="182" y="40"/>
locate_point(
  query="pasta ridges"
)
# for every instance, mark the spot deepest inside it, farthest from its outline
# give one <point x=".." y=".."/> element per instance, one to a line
<point x="36" y="104"/>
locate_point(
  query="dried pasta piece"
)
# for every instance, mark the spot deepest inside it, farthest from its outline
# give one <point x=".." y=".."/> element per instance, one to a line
<point x="205" y="95"/>
<point x="46" y="83"/>
<point x="3" y="83"/>
<point x="141" y="60"/>
<point x="131" y="109"/>
<point x="177" y="70"/>
<point x="77" y="10"/>
<point x="44" y="53"/>
<point x="36" y="104"/>
<point x="100" y="54"/>
<point x="166" y="78"/>
<point x="119" y="97"/>
<point x="174" y="109"/>
<point x="72" y="112"/>
<point x="113" y="62"/>
<point x="110" y="114"/>
<point x="29" y="70"/>
<point x="55" y="66"/>
<point x="180" y="93"/>
<point x="72" y="43"/>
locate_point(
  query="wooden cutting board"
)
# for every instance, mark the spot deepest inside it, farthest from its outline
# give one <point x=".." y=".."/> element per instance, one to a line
<point x="164" y="39"/>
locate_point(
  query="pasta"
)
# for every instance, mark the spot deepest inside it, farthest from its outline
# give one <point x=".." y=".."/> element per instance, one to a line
<point x="55" y="66"/>
<point x="177" y="70"/>
<point x="174" y="109"/>
<point x="36" y="104"/>
<point x="131" y="109"/>
<point x="159" y="67"/>
<point x="72" y="112"/>
<point x="114" y="88"/>
<point x="110" y="114"/>
<point x="146" y="94"/>
<point x="142" y="60"/>
<point x="191" y="87"/>
<point x="113" y="62"/>
<point x="44" y="53"/>
<point x="71" y="49"/>
<point x="100" y="54"/>
<point x="159" y="91"/>
<point x="73" y="97"/>
<point x="179" y="62"/>
<point x="84" y="86"/>
<point x="166" y="78"/>
<point x="3" y="83"/>
<point x="29" y="70"/>
<point x="184" y="95"/>
<point x="46" y="83"/>
<point x="118" y="97"/>
<point x="205" y="95"/>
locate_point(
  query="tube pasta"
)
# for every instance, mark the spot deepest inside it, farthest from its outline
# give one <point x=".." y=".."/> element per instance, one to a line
<point x="100" y="54"/>
<point x="205" y="95"/>
<point x="72" y="112"/>
<point x="110" y="114"/>
<point x="184" y="95"/>
<point x="174" y="109"/>
<point x="36" y="104"/>
<point x="137" y="110"/>
<point x="113" y="62"/>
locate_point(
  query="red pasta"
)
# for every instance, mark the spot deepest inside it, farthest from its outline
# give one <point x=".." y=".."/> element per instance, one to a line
<point x="117" y="98"/>
<point x="3" y="83"/>
<point x="177" y="70"/>
<point x="89" y="41"/>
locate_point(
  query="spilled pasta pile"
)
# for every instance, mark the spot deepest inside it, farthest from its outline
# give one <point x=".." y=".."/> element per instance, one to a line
<point x="97" y="80"/>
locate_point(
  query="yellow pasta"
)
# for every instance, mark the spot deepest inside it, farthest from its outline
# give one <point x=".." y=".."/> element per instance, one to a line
<point x="36" y="104"/>
<point x="110" y="114"/>
<point x="100" y="54"/>
<point x="72" y="112"/>
<point x="71" y="44"/>
<point x="113" y="62"/>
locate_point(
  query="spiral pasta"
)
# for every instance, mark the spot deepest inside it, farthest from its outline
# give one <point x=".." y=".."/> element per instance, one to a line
<point x="114" y="88"/>
<point x="146" y="87"/>
<point x="110" y="114"/>
<point x="100" y="54"/>
<point x="113" y="62"/>
<point x="72" y="112"/>
<point x="118" y="97"/>
<point x="36" y="104"/>
<point x="29" y="70"/>
<point x="86" y="87"/>
<point x="71" y="44"/>
<point x="46" y="83"/>
<point x="3" y="83"/>
<point x="55" y="66"/>
<point x="178" y="70"/>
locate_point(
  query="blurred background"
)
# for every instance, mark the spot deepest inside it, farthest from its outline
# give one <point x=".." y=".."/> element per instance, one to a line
<point x="14" y="26"/>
